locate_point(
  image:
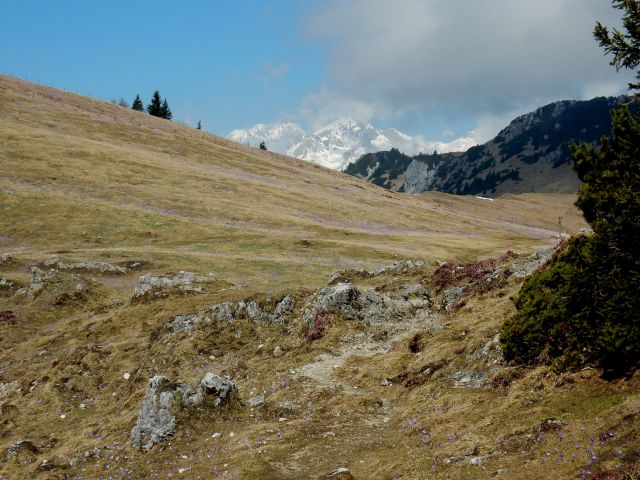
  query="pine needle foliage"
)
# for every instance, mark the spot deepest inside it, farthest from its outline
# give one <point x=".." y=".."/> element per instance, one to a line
<point x="584" y="309"/>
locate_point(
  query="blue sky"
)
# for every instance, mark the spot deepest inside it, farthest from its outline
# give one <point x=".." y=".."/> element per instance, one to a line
<point x="228" y="63"/>
<point x="432" y="67"/>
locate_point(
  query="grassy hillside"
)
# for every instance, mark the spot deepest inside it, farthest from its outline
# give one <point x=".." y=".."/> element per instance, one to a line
<point x="418" y="394"/>
<point x="94" y="180"/>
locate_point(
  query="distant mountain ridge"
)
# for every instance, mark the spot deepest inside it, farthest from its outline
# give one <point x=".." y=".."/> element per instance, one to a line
<point x="530" y="155"/>
<point x="341" y="142"/>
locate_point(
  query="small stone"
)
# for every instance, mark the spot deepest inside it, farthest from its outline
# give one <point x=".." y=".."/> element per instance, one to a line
<point x="277" y="352"/>
<point x="232" y="434"/>
<point x="551" y="424"/>
<point x="82" y="406"/>
<point x="217" y="435"/>
<point x="384" y="382"/>
<point x="340" y="472"/>
<point x="256" y="401"/>
<point x="282" y="419"/>
<point x="127" y="376"/>
<point x="63" y="416"/>
<point x="21" y="446"/>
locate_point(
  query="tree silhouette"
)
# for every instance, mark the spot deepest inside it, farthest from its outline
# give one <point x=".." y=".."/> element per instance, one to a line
<point x="155" y="106"/>
<point x="137" y="104"/>
<point x="165" y="111"/>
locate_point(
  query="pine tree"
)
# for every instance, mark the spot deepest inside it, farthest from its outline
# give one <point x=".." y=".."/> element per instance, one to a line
<point x="137" y="104"/>
<point x="584" y="308"/>
<point x="155" y="107"/>
<point x="165" y="111"/>
<point x="625" y="47"/>
<point x="199" y="126"/>
<point x="263" y="146"/>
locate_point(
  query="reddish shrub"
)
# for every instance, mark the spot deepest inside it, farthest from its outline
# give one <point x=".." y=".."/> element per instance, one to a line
<point x="7" y="316"/>
<point x="321" y="322"/>
<point x="458" y="305"/>
<point x="450" y="273"/>
<point x="444" y="275"/>
<point x="508" y="255"/>
<point x="415" y="344"/>
<point x="625" y="472"/>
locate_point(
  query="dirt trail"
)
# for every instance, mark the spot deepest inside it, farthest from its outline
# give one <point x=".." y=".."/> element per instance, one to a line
<point x="321" y="370"/>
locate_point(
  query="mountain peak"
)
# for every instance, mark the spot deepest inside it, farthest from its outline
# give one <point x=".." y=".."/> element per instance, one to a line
<point x="347" y="123"/>
<point x="339" y="143"/>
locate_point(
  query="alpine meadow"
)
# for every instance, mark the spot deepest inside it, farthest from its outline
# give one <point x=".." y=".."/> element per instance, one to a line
<point x="186" y="296"/>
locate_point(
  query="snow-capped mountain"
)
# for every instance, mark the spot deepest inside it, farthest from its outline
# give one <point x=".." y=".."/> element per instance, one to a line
<point x="340" y="143"/>
<point x="279" y="137"/>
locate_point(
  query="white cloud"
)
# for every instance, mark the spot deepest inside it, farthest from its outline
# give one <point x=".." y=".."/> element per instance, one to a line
<point x="480" y="59"/>
<point x="602" y="89"/>
<point x="322" y="108"/>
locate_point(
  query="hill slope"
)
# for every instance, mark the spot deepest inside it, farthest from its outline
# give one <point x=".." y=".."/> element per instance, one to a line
<point x="397" y="375"/>
<point x="530" y="155"/>
<point x="87" y="177"/>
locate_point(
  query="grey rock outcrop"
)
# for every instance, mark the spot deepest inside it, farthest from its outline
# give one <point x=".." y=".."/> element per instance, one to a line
<point x="21" y="446"/>
<point x="229" y="311"/>
<point x="535" y="261"/>
<point x="38" y="281"/>
<point x="5" y="283"/>
<point x="183" y="281"/>
<point x="418" y="296"/>
<point x="256" y="401"/>
<point x="213" y="387"/>
<point x="469" y="379"/>
<point x="377" y="308"/>
<point x="343" y="276"/>
<point x="368" y="305"/>
<point x="451" y="296"/>
<point x="399" y="267"/>
<point x="346" y="275"/>
<point x="86" y="455"/>
<point x="490" y="353"/>
<point x="93" y="266"/>
<point x="9" y="389"/>
<point x="342" y="297"/>
<point x="418" y="177"/>
<point x="5" y="259"/>
<point x="157" y="419"/>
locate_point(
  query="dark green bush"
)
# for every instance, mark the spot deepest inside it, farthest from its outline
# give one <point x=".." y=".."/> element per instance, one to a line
<point x="584" y="308"/>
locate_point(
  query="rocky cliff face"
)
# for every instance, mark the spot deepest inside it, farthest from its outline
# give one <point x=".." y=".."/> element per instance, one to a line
<point x="530" y="155"/>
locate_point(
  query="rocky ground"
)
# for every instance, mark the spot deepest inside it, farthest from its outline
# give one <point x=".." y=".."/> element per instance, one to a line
<point x="392" y="373"/>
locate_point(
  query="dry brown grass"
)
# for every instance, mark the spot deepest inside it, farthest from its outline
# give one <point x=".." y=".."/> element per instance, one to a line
<point x="89" y="180"/>
<point x="96" y="180"/>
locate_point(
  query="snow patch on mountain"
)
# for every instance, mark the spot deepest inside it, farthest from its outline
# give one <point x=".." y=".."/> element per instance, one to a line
<point x="341" y="142"/>
<point x="279" y="137"/>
